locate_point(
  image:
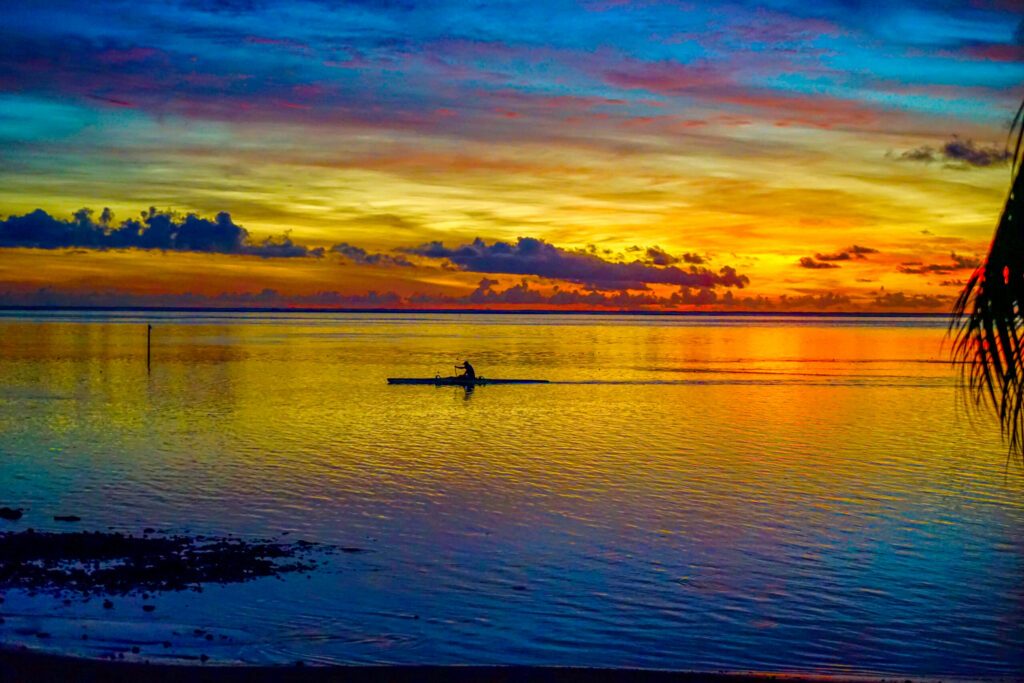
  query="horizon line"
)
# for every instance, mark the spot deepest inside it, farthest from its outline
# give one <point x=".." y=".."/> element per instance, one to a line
<point x="475" y="311"/>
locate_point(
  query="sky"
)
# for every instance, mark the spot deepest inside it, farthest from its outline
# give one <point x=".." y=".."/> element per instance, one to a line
<point x="838" y="155"/>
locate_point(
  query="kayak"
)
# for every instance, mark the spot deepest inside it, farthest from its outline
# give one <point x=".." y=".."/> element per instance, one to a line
<point x="461" y="381"/>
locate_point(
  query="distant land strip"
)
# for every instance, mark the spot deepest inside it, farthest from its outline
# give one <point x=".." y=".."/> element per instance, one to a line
<point x="480" y="311"/>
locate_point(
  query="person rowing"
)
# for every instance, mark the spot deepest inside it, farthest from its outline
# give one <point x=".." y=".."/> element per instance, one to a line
<point x="469" y="373"/>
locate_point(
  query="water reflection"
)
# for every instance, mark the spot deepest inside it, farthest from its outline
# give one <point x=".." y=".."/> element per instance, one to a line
<point x="713" y="494"/>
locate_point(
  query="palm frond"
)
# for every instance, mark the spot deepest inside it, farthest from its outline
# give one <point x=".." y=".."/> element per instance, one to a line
<point x="987" y="316"/>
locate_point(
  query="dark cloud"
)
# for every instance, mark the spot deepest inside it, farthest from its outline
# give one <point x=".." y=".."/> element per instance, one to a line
<point x="820" y="301"/>
<point x="964" y="152"/>
<point x="361" y="256"/>
<point x="856" y="251"/>
<point x="522" y="294"/>
<point x="655" y="255"/>
<point x="530" y="256"/>
<point x="859" y="251"/>
<point x="704" y="297"/>
<point x="281" y="247"/>
<point x="808" y="262"/>
<point x="162" y="230"/>
<point x="487" y="293"/>
<point x="960" y="262"/>
<point x="695" y="259"/>
<point x="167" y="231"/>
<point x="660" y="257"/>
<point x="922" y="269"/>
<point x="817" y="302"/>
<point x="904" y="302"/>
<point x="974" y="155"/>
<point x="838" y="256"/>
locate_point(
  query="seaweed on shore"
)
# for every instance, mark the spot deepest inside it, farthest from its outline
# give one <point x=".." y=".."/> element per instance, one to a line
<point x="120" y="564"/>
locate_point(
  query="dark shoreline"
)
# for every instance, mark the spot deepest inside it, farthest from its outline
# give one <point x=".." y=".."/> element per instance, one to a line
<point x="25" y="665"/>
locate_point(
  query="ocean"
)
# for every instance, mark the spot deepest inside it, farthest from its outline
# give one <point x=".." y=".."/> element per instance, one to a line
<point x="741" y="493"/>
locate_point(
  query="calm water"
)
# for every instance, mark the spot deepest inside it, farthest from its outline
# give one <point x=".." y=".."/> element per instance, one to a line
<point x="702" y="493"/>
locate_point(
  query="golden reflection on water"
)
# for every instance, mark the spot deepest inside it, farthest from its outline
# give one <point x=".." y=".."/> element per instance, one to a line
<point x="803" y="394"/>
<point x="679" y="477"/>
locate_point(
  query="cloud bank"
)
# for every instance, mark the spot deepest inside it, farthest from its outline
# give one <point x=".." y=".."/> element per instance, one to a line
<point x="531" y="256"/>
<point x="808" y="262"/>
<point x="959" y="262"/>
<point x="159" y="230"/>
<point x="960" y="151"/>
<point x="486" y="295"/>
<point x="363" y="257"/>
<point x="167" y="231"/>
<point x="825" y="261"/>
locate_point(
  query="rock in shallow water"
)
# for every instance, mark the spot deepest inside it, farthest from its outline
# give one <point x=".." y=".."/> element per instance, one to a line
<point x="118" y="564"/>
<point x="10" y="514"/>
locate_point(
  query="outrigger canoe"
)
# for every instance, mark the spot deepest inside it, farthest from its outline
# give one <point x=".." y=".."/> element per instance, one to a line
<point x="461" y="381"/>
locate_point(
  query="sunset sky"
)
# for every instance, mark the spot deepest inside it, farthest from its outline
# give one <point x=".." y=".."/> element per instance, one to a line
<point x="788" y="155"/>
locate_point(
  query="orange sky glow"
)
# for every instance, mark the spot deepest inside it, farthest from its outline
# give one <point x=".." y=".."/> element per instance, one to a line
<point x="724" y="156"/>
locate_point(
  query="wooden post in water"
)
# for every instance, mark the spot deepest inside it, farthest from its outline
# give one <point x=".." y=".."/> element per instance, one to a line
<point x="149" y="335"/>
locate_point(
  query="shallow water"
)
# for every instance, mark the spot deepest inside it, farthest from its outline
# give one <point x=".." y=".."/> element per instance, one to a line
<point x="775" y="494"/>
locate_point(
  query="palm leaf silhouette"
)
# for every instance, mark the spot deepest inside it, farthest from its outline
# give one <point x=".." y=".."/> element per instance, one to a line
<point x="987" y="316"/>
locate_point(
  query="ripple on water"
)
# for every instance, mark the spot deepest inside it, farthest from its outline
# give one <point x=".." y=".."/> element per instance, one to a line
<point x="769" y="495"/>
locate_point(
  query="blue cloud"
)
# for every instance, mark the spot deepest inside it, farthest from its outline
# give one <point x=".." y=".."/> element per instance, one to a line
<point x="158" y="230"/>
<point x="531" y="256"/>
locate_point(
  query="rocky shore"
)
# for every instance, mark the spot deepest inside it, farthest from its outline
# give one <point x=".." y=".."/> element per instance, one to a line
<point x="114" y="563"/>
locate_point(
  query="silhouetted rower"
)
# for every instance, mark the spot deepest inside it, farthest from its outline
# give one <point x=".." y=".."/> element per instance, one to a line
<point x="469" y="373"/>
